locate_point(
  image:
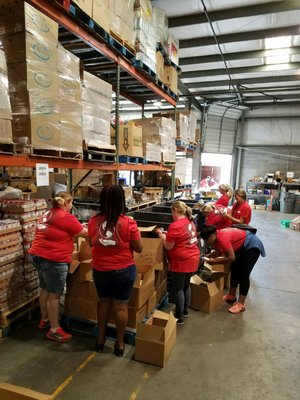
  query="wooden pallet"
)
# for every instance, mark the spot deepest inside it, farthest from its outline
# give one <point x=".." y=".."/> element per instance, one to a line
<point x="132" y="160"/>
<point x="124" y="43"/>
<point x="17" y="314"/>
<point x="140" y="206"/>
<point x="7" y="148"/>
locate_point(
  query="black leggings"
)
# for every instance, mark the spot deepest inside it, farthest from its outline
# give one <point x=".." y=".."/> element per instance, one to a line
<point x="241" y="269"/>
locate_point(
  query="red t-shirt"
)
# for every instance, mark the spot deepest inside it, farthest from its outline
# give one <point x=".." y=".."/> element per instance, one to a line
<point x="216" y="219"/>
<point x="184" y="257"/>
<point x="230" y="237"/>
<point x="223" y="201"/>
<point x="111" y="250"/>
<point x="242" y="210"/>
<point x="54" y="235"/>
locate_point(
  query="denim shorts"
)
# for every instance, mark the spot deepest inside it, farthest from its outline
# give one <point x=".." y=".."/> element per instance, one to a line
<point x="115" y="284"/>
<point x="52" y="274"/>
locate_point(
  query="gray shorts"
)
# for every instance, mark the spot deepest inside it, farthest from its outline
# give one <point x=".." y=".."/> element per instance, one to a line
<point x="52" y="274"/>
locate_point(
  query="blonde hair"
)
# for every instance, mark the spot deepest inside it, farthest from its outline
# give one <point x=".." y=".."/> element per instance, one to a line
<point x="227" y="188"/>
<point x="61" y="199"/>
<point x="182" y="209"/>
<point x="241" y="193"/>
<point x="207" y="208"/>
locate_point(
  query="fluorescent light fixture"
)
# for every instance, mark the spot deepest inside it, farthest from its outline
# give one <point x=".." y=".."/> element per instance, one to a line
<point x="279" y="42"/>
<point x="157" y="103"/>
<point x="278" y="50"/>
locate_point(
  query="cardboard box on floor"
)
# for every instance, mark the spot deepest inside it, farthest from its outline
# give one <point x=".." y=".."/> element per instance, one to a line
<point x="156" y="338"/>
<point x="153" y="247"/>
<point x="13" y="392"/>
<point x="207" y="296"/>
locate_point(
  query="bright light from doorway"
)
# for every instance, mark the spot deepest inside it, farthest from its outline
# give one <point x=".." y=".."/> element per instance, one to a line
<point x="219" y="160"/>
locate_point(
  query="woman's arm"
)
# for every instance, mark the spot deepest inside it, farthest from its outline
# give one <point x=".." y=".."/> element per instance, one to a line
<point x="137" y="245"/>
<point x="167" y="245"/>
<point x="234" y="220"/>
<point x="84" y="231"/>
<point x="228" y="256"/>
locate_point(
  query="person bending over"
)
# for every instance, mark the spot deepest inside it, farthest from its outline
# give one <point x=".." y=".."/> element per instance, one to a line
<point x="242" y="249"/>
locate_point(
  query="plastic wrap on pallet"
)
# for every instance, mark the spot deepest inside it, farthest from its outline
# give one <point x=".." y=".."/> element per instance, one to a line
<point x="160" y="21"/>
<point x="124" y="10"/>
<point x="102" y="15"/>
<point x="96" y="84"/>
<point x="183" y="170"/>
<point x="150" y="63"/>
<point x="85" y="5"/>
<point x="70" y="108"/>
<point x="5" y="106"/>
<point x="151" y="151"/>
<point x="23" y="17"/>
<point x="145" y="5"/>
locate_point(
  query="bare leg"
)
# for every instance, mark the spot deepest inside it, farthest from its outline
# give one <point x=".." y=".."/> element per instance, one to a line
<point x="121" y="315"/>
<point x="232" y="291"/>
<point x="43" y="298"/>
<point x="53" y="309"/>
<point x="104" y="308"/>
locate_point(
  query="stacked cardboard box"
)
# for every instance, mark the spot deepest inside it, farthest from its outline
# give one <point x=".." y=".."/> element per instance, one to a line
<point x="161" y="132"/>
<point x="29" y="40"/>
<point x="144" y="34"/>
<point x="26" y="212"/>
<point x="121" y="22"/>
<point x="130" y="140"/>
<point x="70" y="110"/>
<point x="96" y="109"/>
<point x="183" y="170"/>
<point x="12" y="284"/>
<point x="5" y="108"/>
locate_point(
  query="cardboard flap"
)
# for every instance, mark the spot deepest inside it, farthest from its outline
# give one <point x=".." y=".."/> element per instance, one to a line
<point x="211" y="287"/>
<point x="158" y="328"/>
<point x="13" y="392"/>
<point x="152" y="253"/>
<point x="196" y="280"/>
<point x="85" y="251"/>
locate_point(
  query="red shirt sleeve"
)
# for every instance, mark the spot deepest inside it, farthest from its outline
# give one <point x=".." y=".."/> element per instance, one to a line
<point x="223" y="201"/>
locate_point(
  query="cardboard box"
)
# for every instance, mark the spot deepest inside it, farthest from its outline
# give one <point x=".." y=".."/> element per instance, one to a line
<point x="151" y="303"/>
<point x="130" y="140"/>
<point x="161" y="291"/>
<point x="101" y="14"/>
<point x="156" y="339"/>
<point x="160" y="63"/>
<point x="224" y="267"/>
<point x="81" y="308"/>
<point x="135" y="315"/>
<point x="5" y="131"/>
<point x="143" y="287"/>
<point x="207" y="296"/>
<point x="81" y="264"/>
<point x="295" y="224"/>
<point x="171" y="78"/>
<point x="85" y="5"/>
<point x="13" y="392"/>
<point x="152" y="253"/>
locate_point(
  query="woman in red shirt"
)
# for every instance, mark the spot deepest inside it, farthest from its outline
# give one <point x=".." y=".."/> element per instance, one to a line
<point x="50" y="254"/>
<point x="226" y="193"/>
<point x="240" y="247"/>
<point x="183" y="251"/>
<point x="113" y="237"/>
<point x="241" y="210"/>
<point x="215" y="217"/>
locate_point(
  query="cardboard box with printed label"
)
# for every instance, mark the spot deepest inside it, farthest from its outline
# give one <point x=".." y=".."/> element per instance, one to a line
<point x="156" y="339"/>
<point x="207" y="296"/>
<point x="130" y="140"/>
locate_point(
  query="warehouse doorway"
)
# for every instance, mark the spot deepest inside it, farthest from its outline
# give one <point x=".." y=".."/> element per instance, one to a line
<point x="216" y="169"/>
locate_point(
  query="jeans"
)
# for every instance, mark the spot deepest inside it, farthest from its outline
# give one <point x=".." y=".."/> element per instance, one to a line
<point x="182" y="289"/>
<point x="52" y="274"/>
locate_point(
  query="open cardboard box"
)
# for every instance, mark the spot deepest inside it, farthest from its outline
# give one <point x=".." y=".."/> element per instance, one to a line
<point x="143" y="287"/>
<point x="81" y="264"/>
<point x="156" y="338"/>
<point x="153" y="247"/>
<point x="207" y="296"/>
<point x="13" y="392"/>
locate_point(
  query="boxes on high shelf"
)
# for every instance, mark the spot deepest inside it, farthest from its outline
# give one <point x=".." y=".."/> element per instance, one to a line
<point x="122" y="18"/>
<point x="130" y="140"/>
<point x="173" y="48"/>
<point x="102" y="13"/>
<point x="160" y="64"/>
<point x="5" y="107"/>
<point x="86" y="6"/>
<point x="156" y="338"/>
<point x="171" y="78"/>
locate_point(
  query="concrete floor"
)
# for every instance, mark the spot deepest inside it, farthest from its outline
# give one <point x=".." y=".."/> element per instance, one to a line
<point x="251" y="356"/>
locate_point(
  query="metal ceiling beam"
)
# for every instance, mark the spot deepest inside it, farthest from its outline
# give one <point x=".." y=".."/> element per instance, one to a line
<point x="242" y="55"/>
<point x="240" y="70"/>
<point x="185" y="91"/>
<point x="238" y="12"/>
<point x="280" y="97"/>
<point x="239" y="37"/>
<point x="247" y="81"/>
<point x="243" y="90"/>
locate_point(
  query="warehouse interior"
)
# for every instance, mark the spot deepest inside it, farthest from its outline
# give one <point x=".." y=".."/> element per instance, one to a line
<point x="169" y="99"/>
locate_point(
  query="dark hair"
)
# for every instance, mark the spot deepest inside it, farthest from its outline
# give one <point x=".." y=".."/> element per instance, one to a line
<point x="112" y="204"/>
<point x="207" y="231"/>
